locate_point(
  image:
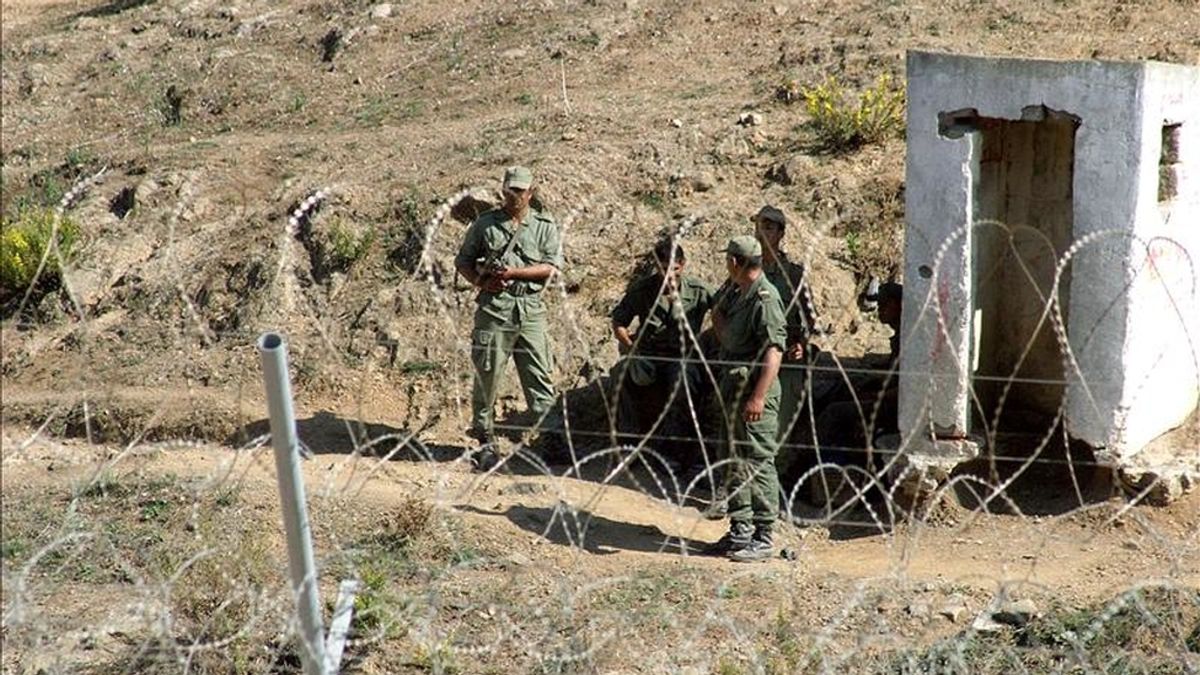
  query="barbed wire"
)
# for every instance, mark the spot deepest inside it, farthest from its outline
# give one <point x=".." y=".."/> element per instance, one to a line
<point x="181" y="536"/>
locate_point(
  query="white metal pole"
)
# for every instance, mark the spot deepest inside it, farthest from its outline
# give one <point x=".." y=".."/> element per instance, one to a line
<point x="273" y="350"/>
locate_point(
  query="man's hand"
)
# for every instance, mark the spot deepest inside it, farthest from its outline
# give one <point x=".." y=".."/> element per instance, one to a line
<point x="753" y="410"/>
<point x="494" y="281"/>
<point x="795" y="352"/>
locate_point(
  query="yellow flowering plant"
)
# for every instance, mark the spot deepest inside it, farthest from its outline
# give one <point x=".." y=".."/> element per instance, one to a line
<point x="842" y="123"/>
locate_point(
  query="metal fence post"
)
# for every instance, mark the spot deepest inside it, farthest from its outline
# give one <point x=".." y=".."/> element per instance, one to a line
<point x="273" y="351"/>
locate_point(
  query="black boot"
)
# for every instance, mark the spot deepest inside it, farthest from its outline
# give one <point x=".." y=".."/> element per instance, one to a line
<point x="738" y="537"/>
<point x="760" y="547"/>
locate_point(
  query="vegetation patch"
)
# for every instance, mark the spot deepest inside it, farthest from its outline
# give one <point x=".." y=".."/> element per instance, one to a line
<point x="842" y="122"/>
<point x="35" y="244"/>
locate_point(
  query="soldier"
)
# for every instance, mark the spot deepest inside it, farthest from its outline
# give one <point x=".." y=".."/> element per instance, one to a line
<point x="789" y="279"/>
<point x="749" y="322"/>
<point x="660" y="359"/>
<point x="510" y="254"/>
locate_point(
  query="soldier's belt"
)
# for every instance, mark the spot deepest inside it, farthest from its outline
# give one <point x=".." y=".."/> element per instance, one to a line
<point x="518" y="289"/>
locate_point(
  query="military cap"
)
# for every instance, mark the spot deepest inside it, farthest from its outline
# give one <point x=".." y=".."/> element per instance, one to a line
<point x="771" y="214"/>
<point x="745" y="246"/>
<point x="518" y="177"/>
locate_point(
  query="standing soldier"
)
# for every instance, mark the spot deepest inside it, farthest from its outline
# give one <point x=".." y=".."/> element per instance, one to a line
<point x="749" y="322"/>
<point x="510" y="254"/>
<point x="790" y="281"/>
<point x="661" y="357"/>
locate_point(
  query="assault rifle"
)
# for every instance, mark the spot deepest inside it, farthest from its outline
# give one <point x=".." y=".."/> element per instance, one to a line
<point x="490" y="265"/>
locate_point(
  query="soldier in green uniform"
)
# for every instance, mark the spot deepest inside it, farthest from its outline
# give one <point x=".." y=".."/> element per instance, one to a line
<point x="789" y="279"/>
<point x="749" y="322"/>
<point x="660" y="360"/>
<point x="510" y="254"/>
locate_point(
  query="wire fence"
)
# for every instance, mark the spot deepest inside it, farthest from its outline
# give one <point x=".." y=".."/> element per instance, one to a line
<point x="584" y="549"/>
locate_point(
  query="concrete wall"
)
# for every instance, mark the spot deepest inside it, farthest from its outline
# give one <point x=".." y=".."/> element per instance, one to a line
<point x="941" y="211"/>
<point x="1162" y="382"/>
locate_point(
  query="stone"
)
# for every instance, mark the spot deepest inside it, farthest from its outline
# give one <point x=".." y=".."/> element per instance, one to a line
<point x="955" y="609"/>
<point x="676" y="122"/>
<point x="917" y="609"/>
<point x="514" y="54"/>
<point x="381" y="11"/>
<point x="750" y="119"/>
<point x="793" y="170"/>
<point x="1015" y="612"/>
<point x="703" y="181"/>
<point x="779" y="10"/>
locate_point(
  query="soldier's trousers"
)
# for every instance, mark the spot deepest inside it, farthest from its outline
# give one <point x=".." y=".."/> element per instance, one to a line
<point x="523" y="336"/>
<point x="639" y="406"/>
<point x="793" y="414"/>
<point x="752" y="477"/>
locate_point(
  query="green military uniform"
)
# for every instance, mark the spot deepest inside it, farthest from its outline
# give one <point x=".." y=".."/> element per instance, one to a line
<point x="752" y="322"/>
<point x="512" y="321"/>
<point x="789" y="280"/>
<point x="660" y="334"/>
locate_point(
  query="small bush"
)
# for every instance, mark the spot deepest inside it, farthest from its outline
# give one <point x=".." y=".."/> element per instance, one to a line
<point x="23" y="242"/>
<point x="344" y="246"/>
<point x="842" y="124"/>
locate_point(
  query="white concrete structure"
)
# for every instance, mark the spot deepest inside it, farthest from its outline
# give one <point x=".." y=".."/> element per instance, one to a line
<point x="1052" y="255"/>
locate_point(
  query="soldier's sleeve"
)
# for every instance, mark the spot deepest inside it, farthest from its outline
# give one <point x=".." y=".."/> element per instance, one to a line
<point x="472" y="245"/>
<point x="772" y="322"/>
<point x="808" y="310"/>
<point x="551" y="241"/>
<point x="633" y="305"/>
<point x="705" y="296"/>
<point x="723" y="296"/>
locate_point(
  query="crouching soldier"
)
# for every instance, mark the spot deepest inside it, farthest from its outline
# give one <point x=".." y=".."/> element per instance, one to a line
<point x="660" y="374"/>
<point x="749" y="323"/>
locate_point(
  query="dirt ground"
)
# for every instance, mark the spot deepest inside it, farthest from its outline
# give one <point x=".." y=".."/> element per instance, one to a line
<point x="206" y="124"/>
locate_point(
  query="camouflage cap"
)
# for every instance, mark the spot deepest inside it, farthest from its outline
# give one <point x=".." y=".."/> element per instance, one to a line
<point x="770" y="214"/>
<point x="518" y="177"/>
<point x="745" y="246"/>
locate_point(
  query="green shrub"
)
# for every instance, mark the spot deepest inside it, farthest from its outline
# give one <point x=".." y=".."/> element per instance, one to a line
<point x="344" y="245"/>
<point x="23" y="242"/>
<point x="843" y="124"/>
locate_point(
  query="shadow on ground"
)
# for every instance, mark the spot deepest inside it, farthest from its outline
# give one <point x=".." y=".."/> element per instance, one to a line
<point x="595" y="534"/>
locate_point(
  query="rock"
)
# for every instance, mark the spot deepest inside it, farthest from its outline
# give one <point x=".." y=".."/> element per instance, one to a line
<point x="750" y="119"/>
<point x="89" y="23"/>
<point x="954" y="610"/>
<point x="793" y="170"/>
<point x="1015" y="613"/>
<point x="703" y="182"/>
<point x="985" y="624"/>
<point x="918" y="609"/>
<point x="568" y="136"/>
<point x="676" y="122"/>
<point x="514" y="54"/>
<point x="779" y="10"/>
<point x="1157" y="488"/>
<point x="632" y="5"/>
<point x="381" y="11"/>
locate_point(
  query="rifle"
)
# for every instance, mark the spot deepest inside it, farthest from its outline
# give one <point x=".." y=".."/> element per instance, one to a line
<point x="491" y="264"/>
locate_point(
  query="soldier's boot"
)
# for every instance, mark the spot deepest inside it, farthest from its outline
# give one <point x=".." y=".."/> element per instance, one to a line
<point x="737" y="538"/>
<point x="760" y="547"/>
<point x="484" y="457"/>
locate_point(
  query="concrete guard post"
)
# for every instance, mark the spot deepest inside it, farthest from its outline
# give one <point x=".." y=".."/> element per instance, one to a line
<point x="318" y="657"/>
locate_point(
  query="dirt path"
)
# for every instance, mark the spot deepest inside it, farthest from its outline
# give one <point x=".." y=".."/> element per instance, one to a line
<point x="603" y="529"/>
